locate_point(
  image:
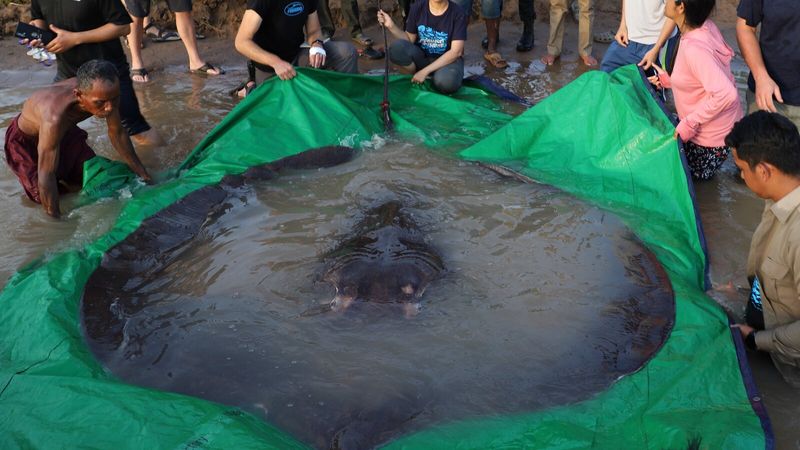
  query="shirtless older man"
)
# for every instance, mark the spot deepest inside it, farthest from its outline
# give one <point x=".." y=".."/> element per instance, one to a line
<point x="44" y="146"/>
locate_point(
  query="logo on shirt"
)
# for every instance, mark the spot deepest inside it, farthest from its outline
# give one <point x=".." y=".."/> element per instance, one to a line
<point x="432" y="41"/>
<point x="293" y="9"/>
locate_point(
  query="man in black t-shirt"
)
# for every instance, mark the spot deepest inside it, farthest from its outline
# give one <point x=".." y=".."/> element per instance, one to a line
<point x="87" y="30"/>
<point x="432" y="43"/>
<point x="773" y="56"/>
<point x="271" y="36"/>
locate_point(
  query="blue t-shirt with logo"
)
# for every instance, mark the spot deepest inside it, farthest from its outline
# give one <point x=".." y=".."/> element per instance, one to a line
<point x="282" y="21"/>
<point x="436" y="33"/>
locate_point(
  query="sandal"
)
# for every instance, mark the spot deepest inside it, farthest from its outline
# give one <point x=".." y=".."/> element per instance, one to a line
<point x="363" y="40"/>
<point x="243" y="89"/>
<point x="496" y="60"/>
<point x="159" y="34"/>
<point x="606" y="37"/>
<point x="139" y="73"/>
<point x="203" y="70"/>
<point x="372" y="52"/>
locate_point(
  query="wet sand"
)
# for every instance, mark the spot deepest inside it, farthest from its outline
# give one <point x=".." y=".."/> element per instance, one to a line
<point x="729" y="211"/>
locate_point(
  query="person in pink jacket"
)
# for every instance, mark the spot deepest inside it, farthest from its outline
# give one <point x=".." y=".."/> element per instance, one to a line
<point x="703" y="86"/>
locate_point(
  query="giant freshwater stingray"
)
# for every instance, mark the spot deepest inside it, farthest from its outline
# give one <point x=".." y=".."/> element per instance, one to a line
<point x="369" y="264"/>
<point x="387" y="261"/>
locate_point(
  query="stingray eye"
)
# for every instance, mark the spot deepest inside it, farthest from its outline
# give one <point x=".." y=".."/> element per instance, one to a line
<point x="395" y="221"/>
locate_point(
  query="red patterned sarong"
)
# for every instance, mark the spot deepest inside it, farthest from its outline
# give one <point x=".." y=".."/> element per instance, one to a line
<point x="22" y="156"/>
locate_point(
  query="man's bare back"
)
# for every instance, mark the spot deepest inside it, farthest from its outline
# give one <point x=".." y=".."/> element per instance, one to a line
<point x="44" y="146"/>
<point x="57" y="103"/>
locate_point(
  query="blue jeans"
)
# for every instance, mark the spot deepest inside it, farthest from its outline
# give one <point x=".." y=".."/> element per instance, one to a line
<point x="445" y="80"/>
<point x="490" y="9"/>
<point x="618" y="56"/>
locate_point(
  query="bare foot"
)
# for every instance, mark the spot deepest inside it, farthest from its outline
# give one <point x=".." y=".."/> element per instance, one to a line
<point x="139" y="75"/>
<point x="242" y="93"/>
<point x="589" y="60"/>
<point x="549" y="59"/>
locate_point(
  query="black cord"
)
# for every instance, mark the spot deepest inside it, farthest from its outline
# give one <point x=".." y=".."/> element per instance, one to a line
<point x="387" y="118"/>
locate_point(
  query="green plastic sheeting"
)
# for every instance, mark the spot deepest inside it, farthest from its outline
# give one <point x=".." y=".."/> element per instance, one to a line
<point x="602" y="138"/>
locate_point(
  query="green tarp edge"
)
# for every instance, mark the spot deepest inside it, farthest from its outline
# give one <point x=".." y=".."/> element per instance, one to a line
<point x="53" y="393"/>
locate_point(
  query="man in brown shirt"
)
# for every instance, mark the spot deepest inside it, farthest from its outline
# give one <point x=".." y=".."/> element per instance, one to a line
<point x="766" y="149"/>
<point x="44" y="146"/>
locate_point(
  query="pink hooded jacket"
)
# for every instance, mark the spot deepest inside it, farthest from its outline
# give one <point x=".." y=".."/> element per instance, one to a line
<point x="703" y="87"/>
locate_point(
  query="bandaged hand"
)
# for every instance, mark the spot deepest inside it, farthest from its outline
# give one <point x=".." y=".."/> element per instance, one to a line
<point x="316" y="56"/>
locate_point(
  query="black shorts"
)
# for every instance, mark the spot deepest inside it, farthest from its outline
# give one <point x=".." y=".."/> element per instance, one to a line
<point x="132" y="119"/>
<point x="141" y="8"/>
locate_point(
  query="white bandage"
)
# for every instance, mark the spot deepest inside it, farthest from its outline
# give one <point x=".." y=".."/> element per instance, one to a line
<point x="316" y="51"/>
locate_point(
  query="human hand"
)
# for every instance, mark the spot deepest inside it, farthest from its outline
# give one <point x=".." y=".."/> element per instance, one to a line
<point x="31" y="42"/>
<point x="744" y="329"/>
<point x="622" y="36"/>
<point x="284" y="70"/>
<point x="766" y="88"/>
<point x="146" y="177"/>
<point x="419" y="77"/>
<point x="317" y="55"/>
<point x="655" y="81"/>
<point x="63" y="41"/>
<point x="385" y="20"/>
<point x="649" y="59"/>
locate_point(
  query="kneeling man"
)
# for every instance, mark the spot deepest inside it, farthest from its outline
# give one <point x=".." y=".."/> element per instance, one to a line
<point x="272" y="37"/>
<point x="44" y="146"/>
<point x="766" y="148"/>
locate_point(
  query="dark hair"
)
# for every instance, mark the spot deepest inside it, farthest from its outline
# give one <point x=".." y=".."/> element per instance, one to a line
<point x="96" y="69"/>
<point x="767" y="137"/>
<point x="697" y="11"/>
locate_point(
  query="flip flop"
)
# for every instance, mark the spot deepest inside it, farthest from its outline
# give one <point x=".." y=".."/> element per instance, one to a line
<point x="203" y="70"/>
<point x="140" y="73"/>
<point x="160" y="34"/>
<point x="496" y="60"/>
<point x="248" y="85"/>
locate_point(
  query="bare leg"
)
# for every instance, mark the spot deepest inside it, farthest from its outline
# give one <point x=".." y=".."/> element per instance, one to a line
<point x="492" y="33"/>
<point x="135" y="43"/>
<point x="185" y="25"/>
<point x="150" y="137"/>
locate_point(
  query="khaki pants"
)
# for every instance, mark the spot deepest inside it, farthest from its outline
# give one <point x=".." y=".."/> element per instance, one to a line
<point x="790" y="112"/>
<point x="558" y="12"/>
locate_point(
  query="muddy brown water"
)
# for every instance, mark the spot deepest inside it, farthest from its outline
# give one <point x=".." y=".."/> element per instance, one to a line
<point x="186" y="109"/>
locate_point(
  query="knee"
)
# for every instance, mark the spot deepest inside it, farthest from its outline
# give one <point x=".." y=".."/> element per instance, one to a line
<point x="400" y="52"/>
<point x="447" y="81"/>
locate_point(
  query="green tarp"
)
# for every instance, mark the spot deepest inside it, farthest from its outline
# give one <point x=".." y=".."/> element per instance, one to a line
<point x="602" y="138"/>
